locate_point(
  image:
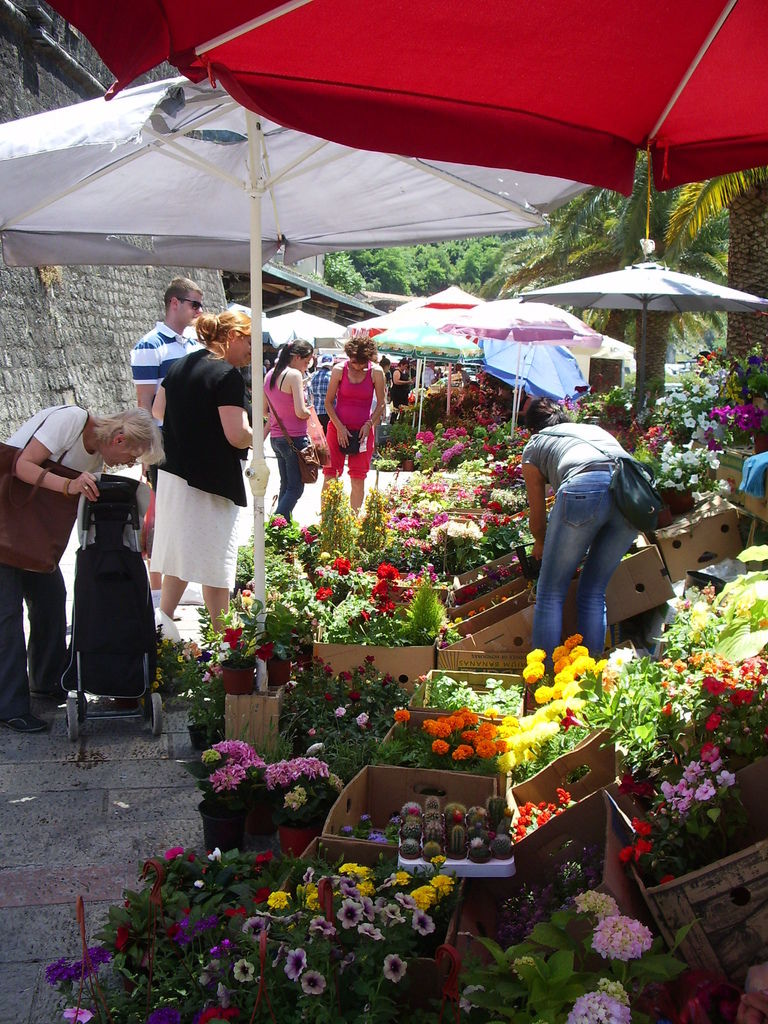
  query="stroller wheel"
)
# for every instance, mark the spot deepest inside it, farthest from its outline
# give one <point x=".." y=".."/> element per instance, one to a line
<point x="73" y="726"/>
<point x="157" y="714"/>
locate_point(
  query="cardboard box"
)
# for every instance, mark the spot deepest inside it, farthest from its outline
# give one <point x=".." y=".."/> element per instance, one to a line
<point x="252" y="716"/>
<point x="512" y="632"/>
<point x="405" y="664"/>
<point x="332" y="849"/>
<point x="730" y="469"/>
<point x="467" y="656"/>
<point x="725" y="901"/>
<point x="422" y="695"/>
<point x="473" y="575"/>
<point x="595" y="821"/>
<point x="488" y="601"/>
<point x="709" y="534"/>
<point x="381" y="790"/>
<point x="592" y="753"/>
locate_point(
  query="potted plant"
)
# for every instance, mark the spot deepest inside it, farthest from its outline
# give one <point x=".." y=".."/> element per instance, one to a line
<point x="238" y="646"/>
<point x="683" y="470"/>
<point x="229" y="775"/>
<point x="279" y="641"/>
<point x="303" y="791"/>
<point x="205" y="705"/>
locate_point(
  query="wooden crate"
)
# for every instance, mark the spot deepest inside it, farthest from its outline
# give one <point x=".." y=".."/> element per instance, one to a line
<point x="405" y="664"/>
<point x="252" y="716"/>
<point x="592" y="753"/>
<point x="476" y="680"/>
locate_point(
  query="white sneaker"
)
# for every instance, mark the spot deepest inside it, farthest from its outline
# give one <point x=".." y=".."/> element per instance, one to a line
<point x="168" y="626"/>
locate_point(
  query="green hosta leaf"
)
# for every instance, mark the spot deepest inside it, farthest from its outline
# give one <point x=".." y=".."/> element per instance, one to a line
<point x="738" y="642"/>
<point x="757" y="553"/>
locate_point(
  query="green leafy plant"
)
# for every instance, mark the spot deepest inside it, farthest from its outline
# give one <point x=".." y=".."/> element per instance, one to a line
<point x="743" y="607"/>
<point x="338" y="526"/>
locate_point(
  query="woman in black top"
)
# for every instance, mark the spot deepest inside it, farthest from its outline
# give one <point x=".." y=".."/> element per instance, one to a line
<point x="402" y="384"/>
<point x="200" y="484"/>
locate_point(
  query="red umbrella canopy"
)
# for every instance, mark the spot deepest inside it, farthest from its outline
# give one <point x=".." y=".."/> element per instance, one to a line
<point x="551" y="86"/>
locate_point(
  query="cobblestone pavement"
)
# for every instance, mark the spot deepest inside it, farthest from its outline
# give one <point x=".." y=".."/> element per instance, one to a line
<point x="80" y="818"/>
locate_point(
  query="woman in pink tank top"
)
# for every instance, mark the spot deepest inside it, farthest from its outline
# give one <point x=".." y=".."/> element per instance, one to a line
<point x="353" y="416"/>
<point x="288" y="415"/>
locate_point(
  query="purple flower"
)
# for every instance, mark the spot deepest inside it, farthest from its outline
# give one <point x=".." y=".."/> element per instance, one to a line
<point x="422" y="923"/>
<point x="598" y="1006"/>
<point x="362" y="720"/>
<point x="77" y="1016"/>
<point x="313" y="983"/>
<point x="295" y="963"/>
<point x="394" y="968"/>
<point x="320" y="926"/>
<point x="165" y="1015"/>
<point x="350" y="914"/>
<point x="340" y="712"/>
<point x="370" y="931"/>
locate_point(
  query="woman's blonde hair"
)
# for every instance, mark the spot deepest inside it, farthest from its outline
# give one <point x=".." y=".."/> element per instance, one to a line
<point x="141" y="432"/>
<point x="213" y="329"/>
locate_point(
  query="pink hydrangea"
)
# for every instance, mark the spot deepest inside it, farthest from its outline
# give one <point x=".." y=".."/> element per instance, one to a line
<point x="240" y="753"/>
<point x="227" y="778"/>
<point x="283" y="774"/>
<point x="594" y="1007"/>
<point x="621" y="938"/>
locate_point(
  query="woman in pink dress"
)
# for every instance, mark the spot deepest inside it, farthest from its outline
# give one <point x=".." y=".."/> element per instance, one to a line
<point x="353" y="415"/>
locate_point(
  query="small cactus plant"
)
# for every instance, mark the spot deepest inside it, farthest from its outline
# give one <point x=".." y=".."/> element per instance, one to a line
<point x="501" y="847"/>
<point x="410" y="849"/>
<point x="477" y="815"/>
<point x="455" y="812"/>
<point x="411" y="810"/>
<point x="457" y="842"/>
<point x="432" y="805"/>
<point x="411" y="829"/>
<point x="495" y="806"/>
<point x="431" y="849"/>
<point x="433" y="831"/>
<point x="479" y="851"/>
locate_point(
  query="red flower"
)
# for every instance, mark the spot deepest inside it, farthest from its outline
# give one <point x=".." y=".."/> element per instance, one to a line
<point x="122" y="938"/>
<point x="741" y="697"/>
<point x="328" y="696"/>
<point x="626" y="855"/>
<point x="387" y="572"/>
<point x="173" y="930"/>
<point x="381" y="589"/>
<point x="264" y="858"/>
<point x="642" y="828"/>
<point x="262" y="895"/>
<point x="666" y="878"/>
<point x="569" y="720"/>
<point x="713" y="685"/>
<point x="667" y="709"/>
<point x="713" y="721"/>
<point x="323" y="593"/>
<point x="628" y="785"/>
<point x="232" y="636"/>
<point x="354" y="695"/>
<point x="217" y="1013"/>
<point x="342" y="566"/>
<point x="364" y="615"/>
<point x="235" y="912"/>
<point x="495" y="506"/>
<point x="642" y="846"/>
<point x="266" y="651"/>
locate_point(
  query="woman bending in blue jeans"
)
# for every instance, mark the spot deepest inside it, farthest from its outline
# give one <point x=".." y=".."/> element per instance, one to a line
<point x="577" y="460"/>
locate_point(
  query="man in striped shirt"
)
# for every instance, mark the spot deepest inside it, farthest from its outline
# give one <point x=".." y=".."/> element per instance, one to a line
<point x="165" y="343"/>
<point x="155" y="353"/>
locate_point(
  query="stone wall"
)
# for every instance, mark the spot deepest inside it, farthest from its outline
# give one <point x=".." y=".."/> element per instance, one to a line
<point x="66" y="332"/>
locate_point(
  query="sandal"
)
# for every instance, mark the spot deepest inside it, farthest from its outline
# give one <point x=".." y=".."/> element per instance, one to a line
<point x="24" y="723"/>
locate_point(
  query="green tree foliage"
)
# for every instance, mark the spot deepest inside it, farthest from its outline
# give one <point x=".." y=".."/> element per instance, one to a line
<point x="339" y="273"/>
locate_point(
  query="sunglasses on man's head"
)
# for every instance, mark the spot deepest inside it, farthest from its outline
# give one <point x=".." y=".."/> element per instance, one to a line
<point x="194" y="303"/>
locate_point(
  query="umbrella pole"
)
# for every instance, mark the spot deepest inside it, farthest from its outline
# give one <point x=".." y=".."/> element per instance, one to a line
<point x="640" y="358"/>
<point x="516" y="399"/>
<point x="258" y="472"/>
<point x="448" y="392"/>
<point x="419" y="383"/>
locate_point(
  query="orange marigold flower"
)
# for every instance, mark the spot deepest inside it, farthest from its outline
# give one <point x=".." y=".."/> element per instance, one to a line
<point x="500" y="746"/>
<point x="470" y="738"/>
<point x="443" y="729"/>
<point x="440" y="747"/>
<point x="430" y="726"/>
<point x="573" y="641"/>
<point x="485" y="748"/>
<point x="463" y="753"/>
<point x="487" y="730"/>
<point x="403" y="715"/>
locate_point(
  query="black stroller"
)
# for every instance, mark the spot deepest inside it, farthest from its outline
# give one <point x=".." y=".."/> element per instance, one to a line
<point x="113" y="649"/>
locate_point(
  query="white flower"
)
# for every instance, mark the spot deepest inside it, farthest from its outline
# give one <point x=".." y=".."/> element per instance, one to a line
<point x="598" y="903"/>
<point x="215" y="854"/>
<point x="199" y="883"/>
<point x="243" y="971"/>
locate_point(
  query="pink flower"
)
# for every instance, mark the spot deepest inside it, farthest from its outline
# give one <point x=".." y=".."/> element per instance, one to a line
<point x="81" y="1016"/>
<point x="340" y="712"/>
<point x="362" y="720"/>
<point x="621" y="938"/>
<point x="174" y="852"/>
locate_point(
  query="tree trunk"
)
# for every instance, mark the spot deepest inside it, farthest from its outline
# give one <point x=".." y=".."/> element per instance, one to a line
<point x="748" y="267"/>
<point x="656" y="341"/>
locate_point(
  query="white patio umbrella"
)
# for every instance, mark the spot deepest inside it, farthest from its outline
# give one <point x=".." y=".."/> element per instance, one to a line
<point x="176" y="174"/>
<point x="307" y="326"/>
<point x="509" y="320"/>
<point x="647" y="287"/>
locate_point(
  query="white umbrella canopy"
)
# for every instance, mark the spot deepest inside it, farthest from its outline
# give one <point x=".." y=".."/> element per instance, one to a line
<point x="647" y="287"/>
<point x="425" y="311"/>
<point x="177" y="174"/>
<point x="307" y="326"/>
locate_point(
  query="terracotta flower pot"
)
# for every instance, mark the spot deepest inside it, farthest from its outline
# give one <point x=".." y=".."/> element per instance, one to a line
<point x="408" y="465"/>
<point x="221" y="827"/>
<point x="678" y="502"/>
<point x="237" y="680"/>
<point x="278" y="671"/>
<point x="295" y="839"/>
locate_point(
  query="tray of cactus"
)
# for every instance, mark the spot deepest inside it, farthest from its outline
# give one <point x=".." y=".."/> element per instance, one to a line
<point x="470" y="842"/>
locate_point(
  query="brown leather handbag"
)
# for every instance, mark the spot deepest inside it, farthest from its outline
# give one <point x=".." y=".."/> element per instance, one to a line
<point x="35" y="523"/>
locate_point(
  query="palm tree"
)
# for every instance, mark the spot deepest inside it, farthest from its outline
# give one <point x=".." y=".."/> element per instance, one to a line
<point x="744" y="195"/>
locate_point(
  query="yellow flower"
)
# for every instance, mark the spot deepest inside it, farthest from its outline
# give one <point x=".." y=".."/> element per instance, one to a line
<point x="438" y="862"/>
<point x="536" y="655"/>
<point x="579" y="651"/>
<point x="366" y="888"/>
<point x="402" y="877"/>
<point x="310" y="897"/>
<point x="278" y="900"/>
<point x="442" y="883"/>
<point x="533" y="673"/>
<point x="543" y="694"/>
<point x="354" y="869"/>
<point x="424" y="897"/>
<point x="558" y="653"/>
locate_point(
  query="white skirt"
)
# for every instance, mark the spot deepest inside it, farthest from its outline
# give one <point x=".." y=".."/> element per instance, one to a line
<point x="195" y="534"/>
